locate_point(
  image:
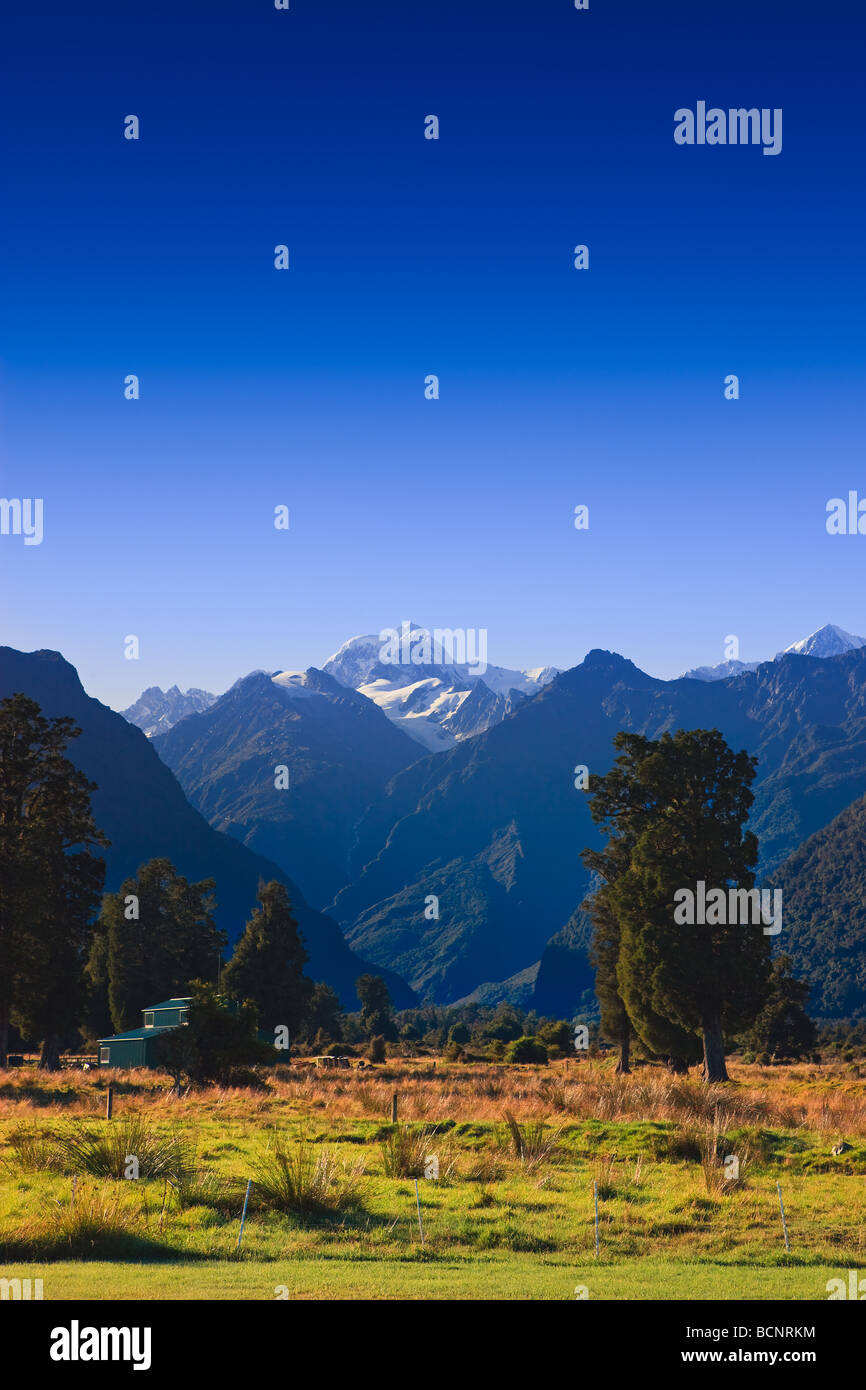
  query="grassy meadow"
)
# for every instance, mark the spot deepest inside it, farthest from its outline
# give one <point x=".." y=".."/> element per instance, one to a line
<point x="521" y="1152"/>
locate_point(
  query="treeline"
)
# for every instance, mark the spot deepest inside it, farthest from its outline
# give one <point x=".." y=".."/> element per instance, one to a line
<point x="76" y="965"/>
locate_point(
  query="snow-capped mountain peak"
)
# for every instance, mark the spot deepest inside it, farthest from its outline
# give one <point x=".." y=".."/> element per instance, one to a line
<point x="156" y="711"/>
<point x="413" y="675"/>
<point x="829" y="640"/>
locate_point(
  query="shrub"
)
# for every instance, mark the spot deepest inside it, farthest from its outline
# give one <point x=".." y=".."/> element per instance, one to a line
<point x="526" y="1050"/>
<point x="245" y="1078"/>
<point x="376" y="1050"/>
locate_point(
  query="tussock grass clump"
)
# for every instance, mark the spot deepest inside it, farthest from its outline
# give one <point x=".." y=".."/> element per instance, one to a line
<point x="484" y="1168"/>
<point x="89" y="1216"/>
<point x="303" y="1179"/>
<point x="531" y="1143"/>
<point x="604" y="1176"/>
<point x="554" y="1094"/>
<point x="723" y="1162"/>
<point x="91" y="1224"/>
<point x="405" y="1151"/>
<point x="106" y="1152"/>
<point x="196" y="1188"/>
<point x="34" y="1150"/>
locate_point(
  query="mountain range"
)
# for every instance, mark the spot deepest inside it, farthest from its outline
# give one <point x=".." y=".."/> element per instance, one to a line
<point x="156" y="711"/>
<point x="493" y="828"/>
<point x="141" y="808"/>
<point x="339" y="751"/>
<point x="829" y="640"/>
<point x="457" y="872"/>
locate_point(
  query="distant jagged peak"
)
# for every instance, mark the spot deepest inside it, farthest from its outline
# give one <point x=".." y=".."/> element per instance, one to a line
<point x="828" y="640"/>
<point x="825" y="642"/>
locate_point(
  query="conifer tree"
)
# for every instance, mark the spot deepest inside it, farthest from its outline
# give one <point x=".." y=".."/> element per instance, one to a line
<point x="675" y="812"/>
<point x="377" y="1012"/>
<point x="50" y="877"/>
<point x="268" y="963"/>
<point x="153" y="936"/>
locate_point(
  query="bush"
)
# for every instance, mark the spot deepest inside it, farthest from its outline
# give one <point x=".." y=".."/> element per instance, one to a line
<point x="376" y="1050"/>
<point x="245" y="1078"/>
<point x="217" y="1040"/>
<point x="526" y="1050"/>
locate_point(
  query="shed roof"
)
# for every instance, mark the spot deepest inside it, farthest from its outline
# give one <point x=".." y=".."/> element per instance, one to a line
<point x="135" y="1033"/>
<point x="169" y="1004"/>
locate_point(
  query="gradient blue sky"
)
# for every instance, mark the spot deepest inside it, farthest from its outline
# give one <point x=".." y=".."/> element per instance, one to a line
<point x="408" y="257"/>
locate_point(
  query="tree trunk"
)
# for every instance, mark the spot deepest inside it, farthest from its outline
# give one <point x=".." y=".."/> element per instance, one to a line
<point x="714" y="1052"/>
<point x="622" y="1066"/>
<point x="49" y="1059"/>
<point x="678" y="1066"/>
<point x="4" y="1035"/>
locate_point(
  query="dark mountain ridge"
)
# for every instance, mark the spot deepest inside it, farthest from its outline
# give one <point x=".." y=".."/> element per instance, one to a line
<point x="494" y="826"/>
<point x="142" y="809"/>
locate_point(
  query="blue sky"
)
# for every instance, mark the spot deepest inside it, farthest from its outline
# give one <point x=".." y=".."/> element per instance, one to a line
<point x="409" y="257"/>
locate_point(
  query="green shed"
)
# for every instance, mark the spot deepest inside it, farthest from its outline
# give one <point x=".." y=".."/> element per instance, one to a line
<point x="137" y="1048"/>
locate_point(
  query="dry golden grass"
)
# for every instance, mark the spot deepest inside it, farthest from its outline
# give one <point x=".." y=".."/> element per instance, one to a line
<point x="829" y="1099"/>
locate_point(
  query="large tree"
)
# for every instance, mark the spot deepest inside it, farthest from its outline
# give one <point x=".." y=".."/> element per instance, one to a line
<point x="50" y="877"/>
<point x="268" y="963"/>
<point x="675" y="813"/>
<point x="153" y="936"/>
<point x="219" y="1037"/>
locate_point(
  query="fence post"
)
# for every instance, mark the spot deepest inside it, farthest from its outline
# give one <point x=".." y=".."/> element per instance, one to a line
<point x="394" y="1108"/>
<point x="244" y="1214"/>
<point x="782" y="1210"/>
<point x="109" y="1102"/>
<point x="595" y="1195"/>
<point x="418" y="1200"/>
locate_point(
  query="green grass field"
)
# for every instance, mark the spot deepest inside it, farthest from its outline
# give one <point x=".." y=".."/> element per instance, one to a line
<point x="501" y="1222"/>
<point x="496" y="1277"/>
